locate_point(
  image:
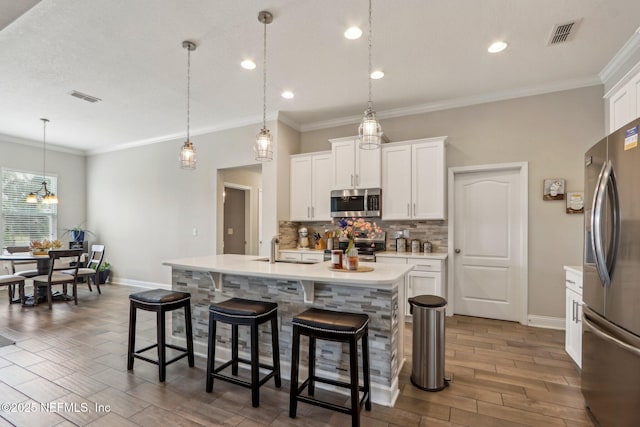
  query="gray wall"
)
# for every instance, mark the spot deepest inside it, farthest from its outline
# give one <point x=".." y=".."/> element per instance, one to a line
<point x="144" y="207"/>
<point x="67" y="165"/>
<point x="551" y="132"/>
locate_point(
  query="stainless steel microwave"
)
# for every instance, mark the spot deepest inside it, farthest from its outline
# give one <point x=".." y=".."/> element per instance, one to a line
<point x="362" y="202"/>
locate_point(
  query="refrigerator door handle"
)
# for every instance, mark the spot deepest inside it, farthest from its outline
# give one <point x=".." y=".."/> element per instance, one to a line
<point x="597" y="331"/>
<point x="596" y="227"/>
<point x="612" y="192"/>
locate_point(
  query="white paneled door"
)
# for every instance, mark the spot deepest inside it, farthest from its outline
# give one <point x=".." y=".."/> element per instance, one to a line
<point x="488" y="244"/>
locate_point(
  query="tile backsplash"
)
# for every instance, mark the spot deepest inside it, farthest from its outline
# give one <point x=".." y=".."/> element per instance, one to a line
<point x="434" y="231"/>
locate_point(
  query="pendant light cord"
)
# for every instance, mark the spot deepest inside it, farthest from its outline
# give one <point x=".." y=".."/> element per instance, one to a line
<point x="264" y="78"/>
<point x="370" y="37"/>
<point x="44" y="149"/>
<point x="188" y="88"/>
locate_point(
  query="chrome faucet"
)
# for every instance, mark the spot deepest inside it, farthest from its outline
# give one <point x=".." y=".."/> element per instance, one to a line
<point x="272" y="252"/>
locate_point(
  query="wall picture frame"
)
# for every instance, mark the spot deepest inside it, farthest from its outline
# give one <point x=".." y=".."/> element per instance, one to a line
<point x="575" y="202"/>
<point x="553" y="189"/>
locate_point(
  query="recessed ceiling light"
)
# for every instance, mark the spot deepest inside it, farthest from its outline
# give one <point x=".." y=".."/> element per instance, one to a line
<point x="353" y="33"/>
<point x="248" y="64"/>
<point x="287" y="94"/>
<point x="378" y="74"/>
<point x="497" y="47"/>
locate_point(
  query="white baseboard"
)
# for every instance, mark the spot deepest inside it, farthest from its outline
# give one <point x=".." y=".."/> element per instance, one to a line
<point x="546" y="322"/>
<point x="140" y="283"/>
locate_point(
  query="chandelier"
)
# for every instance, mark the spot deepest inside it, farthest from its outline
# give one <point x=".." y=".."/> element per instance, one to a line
<point x="43" y="193"/>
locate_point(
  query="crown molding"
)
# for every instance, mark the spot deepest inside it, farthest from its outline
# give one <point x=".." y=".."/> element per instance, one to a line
<point x="36" y="144"/>
<point x="619" y="59"/>
<point x="282" y="117"/>
<point x="459" y="102"/>
<point x="248" y="121"/>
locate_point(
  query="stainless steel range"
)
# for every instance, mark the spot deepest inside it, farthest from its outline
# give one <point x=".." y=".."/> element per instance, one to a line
<point x="367" y="247"/>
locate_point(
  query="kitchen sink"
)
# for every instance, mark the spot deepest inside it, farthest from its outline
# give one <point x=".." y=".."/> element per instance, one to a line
<point x="286" y="261"/>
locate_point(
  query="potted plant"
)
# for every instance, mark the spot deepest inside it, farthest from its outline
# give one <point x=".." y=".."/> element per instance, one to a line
<point x="103" y="272"/>
<point x="77" y="233"/>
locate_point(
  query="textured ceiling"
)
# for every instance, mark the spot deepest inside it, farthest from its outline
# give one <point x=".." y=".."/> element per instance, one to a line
<point x="129" y="54"/>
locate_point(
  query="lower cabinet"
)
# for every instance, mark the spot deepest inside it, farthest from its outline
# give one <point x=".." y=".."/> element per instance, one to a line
<point x="573" y="315"/>
<point x="296" y="255"/>
<point x="426" y="278"/>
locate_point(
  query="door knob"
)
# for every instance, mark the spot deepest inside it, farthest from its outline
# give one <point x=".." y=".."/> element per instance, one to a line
<point x="457" y="251"/>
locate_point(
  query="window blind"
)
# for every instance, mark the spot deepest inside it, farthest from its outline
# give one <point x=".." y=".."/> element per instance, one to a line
<point x="22" y="221"/>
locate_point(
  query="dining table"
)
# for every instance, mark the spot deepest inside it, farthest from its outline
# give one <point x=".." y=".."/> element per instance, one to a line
<point x="43" y="263"/>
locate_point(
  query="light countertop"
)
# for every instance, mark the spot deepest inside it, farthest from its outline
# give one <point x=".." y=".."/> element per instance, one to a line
<point x="384" y="275"/>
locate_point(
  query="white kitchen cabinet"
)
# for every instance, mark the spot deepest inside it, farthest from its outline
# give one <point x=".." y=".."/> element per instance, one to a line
<point x="354" y="167"/>
<point x="624" y="102"/>
<point x="414" y="179"/>
<point x="573" y="316"/>
<point x="301" y="255"/>
<point x="427" y="277"/>
<point x="313" y="257"/>
<point x="310" y="190"/>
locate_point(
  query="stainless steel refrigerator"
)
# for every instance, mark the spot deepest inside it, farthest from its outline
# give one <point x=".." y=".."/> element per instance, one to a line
<point x="611" y="279"/>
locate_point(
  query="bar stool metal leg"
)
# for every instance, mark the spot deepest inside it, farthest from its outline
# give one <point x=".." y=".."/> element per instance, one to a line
<point x="355" y="384"/>
<point x="162" y="352"/>
<point x="211" y="354"/>
<point x="234" y="350"/>
<point x="132" y="335"/>
<point x="312" y="365"/>
<point x="255" y="369"/>
<point x="295" y="356"/>
<point x="188" y="330"/>
<point x="275" y="351"/>
<point x="365" y="370"/>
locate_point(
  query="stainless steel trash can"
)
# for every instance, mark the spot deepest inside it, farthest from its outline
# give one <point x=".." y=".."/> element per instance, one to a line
<point x="428" y="342"/>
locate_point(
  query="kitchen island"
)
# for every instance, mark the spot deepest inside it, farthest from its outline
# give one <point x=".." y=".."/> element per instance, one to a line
<point x="296" y="287"/>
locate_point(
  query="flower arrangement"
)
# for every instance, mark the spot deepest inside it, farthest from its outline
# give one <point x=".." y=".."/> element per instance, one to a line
<point x="42" y="247"/>
<point x="352" y="228"/>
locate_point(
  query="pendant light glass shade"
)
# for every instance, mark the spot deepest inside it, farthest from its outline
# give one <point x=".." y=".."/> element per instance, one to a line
<point x="263" y="147"/>
<point x="188" y="156"/>
<point x="188" y="151"/>
<point x="43" y="193"/>
<point x="370" y="132"/>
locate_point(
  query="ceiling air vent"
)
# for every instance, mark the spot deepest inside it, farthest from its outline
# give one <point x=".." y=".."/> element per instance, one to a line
<point x="563" y="33"/>
<point x="84" y="96"/>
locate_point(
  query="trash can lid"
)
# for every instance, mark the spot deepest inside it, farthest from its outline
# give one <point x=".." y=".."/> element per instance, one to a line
<point x="428" y="301"/>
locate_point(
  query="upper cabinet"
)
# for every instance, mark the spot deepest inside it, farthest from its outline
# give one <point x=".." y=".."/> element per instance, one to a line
<point x="310" y="190"/>
<point x="354" y="167"/>
<point x="413" y="179"/>
<point x="624" y="102"/>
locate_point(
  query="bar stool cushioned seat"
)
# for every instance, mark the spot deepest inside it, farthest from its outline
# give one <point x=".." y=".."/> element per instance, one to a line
<point x="238" y="311"/>
<point x="333" y="326"/>
<point x="160" y="301"/>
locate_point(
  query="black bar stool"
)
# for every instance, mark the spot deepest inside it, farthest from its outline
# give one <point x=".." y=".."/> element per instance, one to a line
<point x="160" y="301"/>
<point x="238" y="311"/>
<point x="332" y="326"/>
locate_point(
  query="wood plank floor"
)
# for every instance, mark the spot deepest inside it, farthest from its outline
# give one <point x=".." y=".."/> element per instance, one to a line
<point x="74" y="358"/>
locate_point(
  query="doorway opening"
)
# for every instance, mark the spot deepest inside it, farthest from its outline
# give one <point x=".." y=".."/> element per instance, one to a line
<point x="238" y="222"/>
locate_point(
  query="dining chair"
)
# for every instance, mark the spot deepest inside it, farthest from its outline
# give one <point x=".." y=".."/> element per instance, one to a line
<point x="60" y="261"/>
<point x="90" y="272"/>
<point x="30" y="272"/>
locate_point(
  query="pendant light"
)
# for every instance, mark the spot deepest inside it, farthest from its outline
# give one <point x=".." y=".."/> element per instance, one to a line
<point x="369" y="131"/>
<point x="263" y="148"/>
<point x="43" y="192"/>
<point x="188" y="151"/>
